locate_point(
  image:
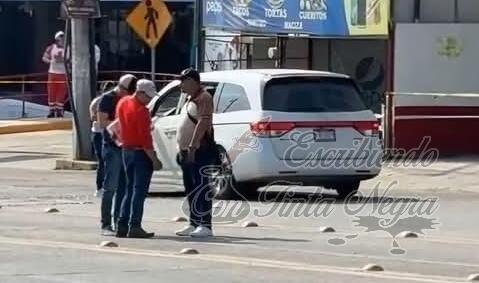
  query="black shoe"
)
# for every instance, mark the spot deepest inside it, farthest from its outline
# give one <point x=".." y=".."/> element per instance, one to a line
<point x="139" y="233"/>
<point x="59" y="114"/>
<point x="108" y="231"/>
<point x="121" y="232"/>
<point x="51" y="114"/>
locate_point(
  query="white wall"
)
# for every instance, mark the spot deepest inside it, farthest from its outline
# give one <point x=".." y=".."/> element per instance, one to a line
<point x="420" y="68"/>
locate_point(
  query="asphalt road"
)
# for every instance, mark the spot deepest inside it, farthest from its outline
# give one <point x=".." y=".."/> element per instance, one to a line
<point x="287" y="245"/>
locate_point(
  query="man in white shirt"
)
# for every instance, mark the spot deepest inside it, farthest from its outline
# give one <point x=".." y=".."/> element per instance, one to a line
<point x="97" y="141"/>
<point x="97" y="57"/>
<point x="55" y="56"/>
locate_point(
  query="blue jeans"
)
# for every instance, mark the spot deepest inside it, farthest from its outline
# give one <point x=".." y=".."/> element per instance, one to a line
<point x="198" y="189"/>
<point x="139" y="170"/>
<point x="113" y="185"/>
<point x="97" y="141"/>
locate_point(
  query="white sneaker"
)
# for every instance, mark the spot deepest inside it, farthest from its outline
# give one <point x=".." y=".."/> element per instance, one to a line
<point x="98" y="193"/>
<point x="185" y="231"/>
<point x="202" y="232"/>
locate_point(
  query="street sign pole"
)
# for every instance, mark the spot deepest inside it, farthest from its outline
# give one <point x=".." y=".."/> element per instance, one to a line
<point x="153" y="63"/>
<point x="150" y="20"/>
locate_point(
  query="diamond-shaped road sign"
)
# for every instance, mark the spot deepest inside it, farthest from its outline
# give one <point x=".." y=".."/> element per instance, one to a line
<point x="149" y="20"/>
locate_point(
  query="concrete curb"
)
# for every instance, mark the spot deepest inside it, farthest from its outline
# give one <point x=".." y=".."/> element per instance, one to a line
<point x="35" y="126"/>
<point x="64" y="164"/>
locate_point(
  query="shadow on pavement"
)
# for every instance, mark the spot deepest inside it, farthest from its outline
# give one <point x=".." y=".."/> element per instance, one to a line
<point x="228" y="240"/>
<point x="296" y="197"/>
<point x="175" y="194"/>
<point x="306" y="197"/>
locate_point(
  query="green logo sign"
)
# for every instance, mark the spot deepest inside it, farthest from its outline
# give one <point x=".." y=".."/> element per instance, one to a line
<point x="450" y="46"/>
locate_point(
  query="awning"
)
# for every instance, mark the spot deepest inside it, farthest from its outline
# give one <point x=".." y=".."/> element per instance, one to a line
<point x="177" y="1"/>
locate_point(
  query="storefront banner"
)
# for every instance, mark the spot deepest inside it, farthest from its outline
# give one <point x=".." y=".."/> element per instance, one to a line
<point x="314" y="17"/>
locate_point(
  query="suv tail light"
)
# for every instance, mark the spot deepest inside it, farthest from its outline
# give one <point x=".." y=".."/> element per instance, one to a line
<point x="367" y="128"/>
<point x="271" y="129"/>
<point x="277" y="129"/>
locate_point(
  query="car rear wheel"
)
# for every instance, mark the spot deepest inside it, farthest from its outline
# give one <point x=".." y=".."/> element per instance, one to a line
<point x="224" y="184"/>
<point x="346" y="189"/>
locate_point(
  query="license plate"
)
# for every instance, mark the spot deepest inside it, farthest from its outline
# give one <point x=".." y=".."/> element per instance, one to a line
<point x="324" y="135"/>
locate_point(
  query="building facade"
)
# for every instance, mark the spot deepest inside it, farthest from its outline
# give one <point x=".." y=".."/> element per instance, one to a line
<point x="27" y="27"/>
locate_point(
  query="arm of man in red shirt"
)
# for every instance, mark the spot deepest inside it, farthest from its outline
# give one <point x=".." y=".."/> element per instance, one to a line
<point x="144" y="135"/>
<point x="144" y="130"/>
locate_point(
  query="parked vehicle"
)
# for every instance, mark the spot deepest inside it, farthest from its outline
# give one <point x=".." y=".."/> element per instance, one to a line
<point x="275" y="126"/>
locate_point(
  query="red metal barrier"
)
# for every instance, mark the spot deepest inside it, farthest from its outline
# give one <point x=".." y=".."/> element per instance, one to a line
<point x="446" y="122"/>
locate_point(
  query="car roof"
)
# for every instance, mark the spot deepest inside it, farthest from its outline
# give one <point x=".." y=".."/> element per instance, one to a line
<point x="265" y="73"/>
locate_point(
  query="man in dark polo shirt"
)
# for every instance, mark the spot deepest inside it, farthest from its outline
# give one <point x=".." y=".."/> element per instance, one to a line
<point x="195" y="138"/>
<point x="114" y="174"/>
<point x="139" y="158"/>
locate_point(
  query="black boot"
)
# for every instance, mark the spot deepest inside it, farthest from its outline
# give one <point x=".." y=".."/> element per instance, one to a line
<point x="59" y="113"/>
<point x="139" y="233"/>
<point x="121" y="231"/>
<point x="51" y="114"/>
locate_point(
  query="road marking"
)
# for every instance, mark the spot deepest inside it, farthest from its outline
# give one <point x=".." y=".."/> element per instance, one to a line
<point x="288" y="228"/>
<point x="248" y="261"/>
<point x="393" y="259"/>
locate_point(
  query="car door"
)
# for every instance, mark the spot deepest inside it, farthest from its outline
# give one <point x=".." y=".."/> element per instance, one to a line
<point x="232" y="117"/>
<point x="165" y="120"/>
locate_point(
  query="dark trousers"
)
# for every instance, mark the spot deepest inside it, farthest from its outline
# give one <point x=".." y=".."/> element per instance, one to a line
<point x="198" y="189"/>
<point x="97" y="141"/>
<point x="139" y="170"/>
<point x="113" y="185"/>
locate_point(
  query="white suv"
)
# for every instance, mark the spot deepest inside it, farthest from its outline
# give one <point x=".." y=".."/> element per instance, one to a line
<point x="279" y="126"/>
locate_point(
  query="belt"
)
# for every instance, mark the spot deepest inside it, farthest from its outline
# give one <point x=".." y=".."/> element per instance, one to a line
<point x="132" y="147"/>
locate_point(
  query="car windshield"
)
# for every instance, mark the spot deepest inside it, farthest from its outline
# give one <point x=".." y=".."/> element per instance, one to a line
<point x="312" y="94"/>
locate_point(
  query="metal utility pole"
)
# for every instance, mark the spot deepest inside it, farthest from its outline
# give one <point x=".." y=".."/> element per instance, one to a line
<point x="81" y="88"/>
<point x="93" y="64"/>
<point x="198" y="35"/>
<point x="79" y="13"/>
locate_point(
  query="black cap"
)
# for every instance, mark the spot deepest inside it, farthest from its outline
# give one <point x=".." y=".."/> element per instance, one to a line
<point x="190" y="73"/>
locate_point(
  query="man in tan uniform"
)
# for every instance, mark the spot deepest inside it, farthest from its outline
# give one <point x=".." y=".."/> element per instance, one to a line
<point x="195" y="138"/>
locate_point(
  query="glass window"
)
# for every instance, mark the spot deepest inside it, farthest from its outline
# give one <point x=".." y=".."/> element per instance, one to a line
<point x="311" y="94"/>
<point x="210" y="87"/>
<point x="233" y="98"/>
<point x="468" y="11"/>
<point x="437" y="11"/>
<point x="167" y="103"/>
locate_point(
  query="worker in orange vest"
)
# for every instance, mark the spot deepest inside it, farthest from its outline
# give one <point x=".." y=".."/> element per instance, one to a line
<point x="55" y="56"/>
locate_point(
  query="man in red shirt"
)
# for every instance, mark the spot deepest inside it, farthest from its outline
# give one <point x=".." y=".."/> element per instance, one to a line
<point x="139" y="157"/>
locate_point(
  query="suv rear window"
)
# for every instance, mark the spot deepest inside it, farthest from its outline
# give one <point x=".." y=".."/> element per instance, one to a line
<point x="312" y="94"/>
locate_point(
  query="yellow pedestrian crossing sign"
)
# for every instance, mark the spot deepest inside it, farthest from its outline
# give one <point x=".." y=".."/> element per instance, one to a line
<point x="149" y="20"/>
